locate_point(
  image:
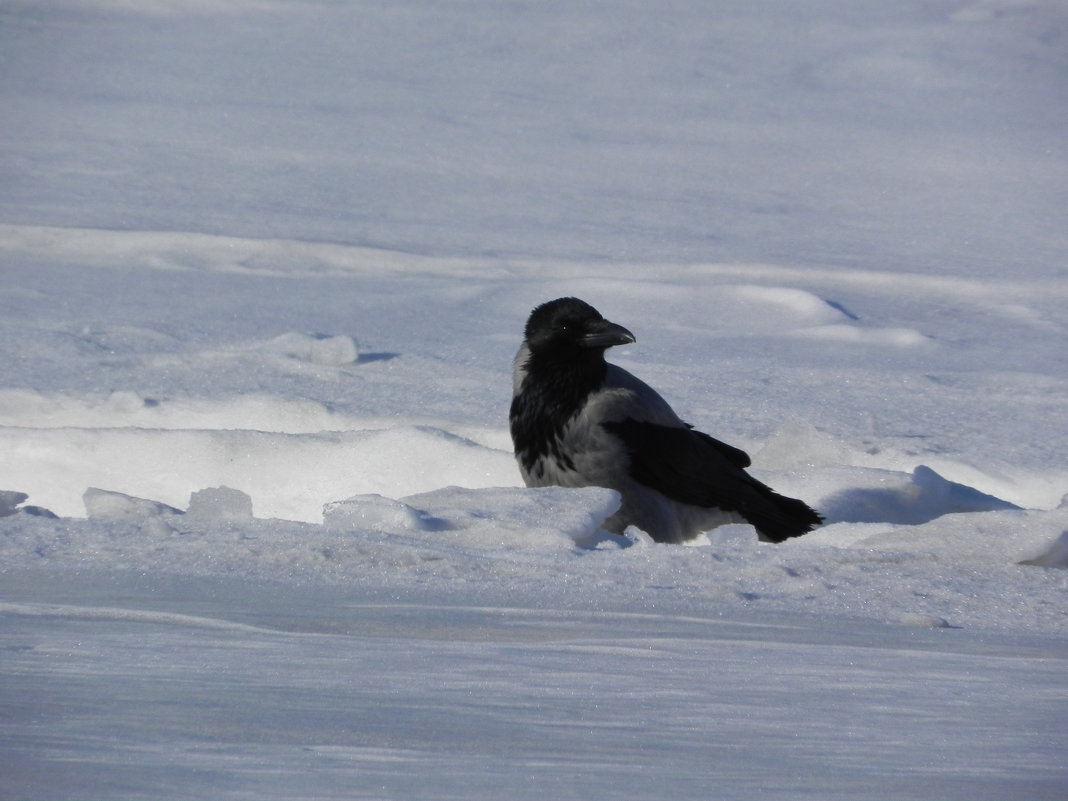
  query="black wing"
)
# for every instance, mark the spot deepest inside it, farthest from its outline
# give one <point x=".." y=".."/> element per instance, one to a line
<point x="691" y="467"/>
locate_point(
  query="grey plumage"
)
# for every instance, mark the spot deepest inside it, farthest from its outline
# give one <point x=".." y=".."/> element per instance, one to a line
<point x="578" y="421"/>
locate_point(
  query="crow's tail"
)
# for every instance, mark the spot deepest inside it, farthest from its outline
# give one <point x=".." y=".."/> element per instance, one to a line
<point x="778" y="518"/>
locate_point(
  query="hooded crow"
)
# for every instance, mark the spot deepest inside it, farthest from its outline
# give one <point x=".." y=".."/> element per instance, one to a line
<point x="578" y="421"/>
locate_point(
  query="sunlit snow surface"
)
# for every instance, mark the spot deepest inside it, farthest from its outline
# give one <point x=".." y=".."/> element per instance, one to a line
<point x="264" y="267"/>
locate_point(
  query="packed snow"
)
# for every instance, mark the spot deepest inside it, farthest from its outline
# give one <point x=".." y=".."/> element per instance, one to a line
<point x="264" y="268"/>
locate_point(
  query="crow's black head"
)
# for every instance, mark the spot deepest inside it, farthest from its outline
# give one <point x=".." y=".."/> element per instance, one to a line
<point x="569" y="328"/>
<point x="559" y="366"/>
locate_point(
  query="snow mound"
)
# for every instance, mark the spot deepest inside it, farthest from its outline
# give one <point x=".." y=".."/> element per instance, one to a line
<point x="893" y="497"/>
<point x="496" y="518"/>
<point x="1056" y="555"/>
<point x="23" y="408"/>
<point x="374" y="512"/>
<point x="798" y="443"/>
<point x="1006" y="537"/>
<point x="788" y="304"/>
<point x="220" y="503"/>
<point x="288" y="476"/>
<point x="213" y="503"/>
<point x="108" y="506"/>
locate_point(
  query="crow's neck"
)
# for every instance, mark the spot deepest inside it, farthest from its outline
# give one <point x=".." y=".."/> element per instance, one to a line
<point x="552" y="393"/>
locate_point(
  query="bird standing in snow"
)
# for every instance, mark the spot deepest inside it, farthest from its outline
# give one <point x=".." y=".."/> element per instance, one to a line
<point x="578" y="421"/>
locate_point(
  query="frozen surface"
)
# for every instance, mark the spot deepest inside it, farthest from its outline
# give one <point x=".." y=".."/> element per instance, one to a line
<point x="338" y="698"/>
<point x="263" y="268"/>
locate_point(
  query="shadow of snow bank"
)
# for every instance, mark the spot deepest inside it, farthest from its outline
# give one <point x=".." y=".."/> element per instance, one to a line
<point x="905" y="499"/>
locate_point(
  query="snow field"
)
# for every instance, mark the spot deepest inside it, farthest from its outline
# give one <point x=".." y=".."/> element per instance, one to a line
<point x="263" y="269"/>
<point x="315" y="429"/>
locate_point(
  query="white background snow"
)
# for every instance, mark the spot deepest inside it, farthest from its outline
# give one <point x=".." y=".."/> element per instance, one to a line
<point x="265" y="265"/>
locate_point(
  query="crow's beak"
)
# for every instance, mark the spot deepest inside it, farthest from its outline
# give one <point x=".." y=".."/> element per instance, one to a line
<point x="604" y="334"/>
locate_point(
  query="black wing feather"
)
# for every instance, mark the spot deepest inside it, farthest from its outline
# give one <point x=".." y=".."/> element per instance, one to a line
<point x="691" y="467"/>
<point x="735" y="456"/>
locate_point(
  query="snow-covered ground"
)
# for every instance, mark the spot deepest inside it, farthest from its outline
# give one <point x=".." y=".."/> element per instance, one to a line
<point x="264" y="268"/>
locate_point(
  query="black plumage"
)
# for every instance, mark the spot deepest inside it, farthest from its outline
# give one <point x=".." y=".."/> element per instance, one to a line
<point x="578" y="421"/>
